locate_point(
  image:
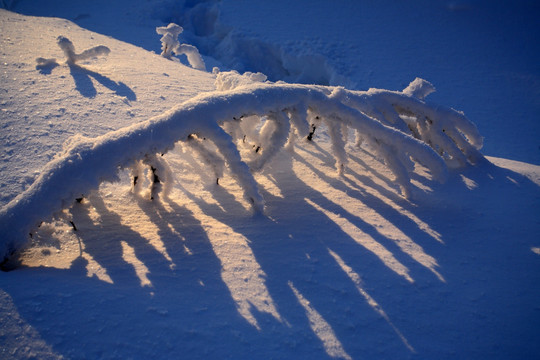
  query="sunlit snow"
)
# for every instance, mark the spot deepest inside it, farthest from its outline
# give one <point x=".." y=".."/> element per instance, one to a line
<point x="339" y="263"/>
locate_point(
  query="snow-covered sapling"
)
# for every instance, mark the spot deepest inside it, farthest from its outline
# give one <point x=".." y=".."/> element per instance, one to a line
<point x="169" y="40"/>
<point x="170" y="45"/>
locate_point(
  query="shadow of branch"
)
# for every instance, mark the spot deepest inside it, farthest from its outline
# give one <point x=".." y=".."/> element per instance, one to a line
<point x="84" y="85"/>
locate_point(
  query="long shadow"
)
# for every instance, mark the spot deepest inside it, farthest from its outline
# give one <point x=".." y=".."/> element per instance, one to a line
<point x="291" y="252"/>
<point x="84" y="85"/>
<point x="404" y="223"/>
<point x="485" y="309"/>
<point x="186" y="241"/>
<point x="109" y="252"/>
<point x="296" y="255"/>
<point x="186" y="311"/>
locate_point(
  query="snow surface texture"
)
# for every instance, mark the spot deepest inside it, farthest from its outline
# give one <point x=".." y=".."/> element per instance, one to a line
<point x="85" y="163"/>
<point x="340" y="267"/>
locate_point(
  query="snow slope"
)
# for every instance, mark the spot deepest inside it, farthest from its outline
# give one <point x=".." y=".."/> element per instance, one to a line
<point x="485" y="52"/>
<point x="339" y="267"/>
<point x="107" y="97"/>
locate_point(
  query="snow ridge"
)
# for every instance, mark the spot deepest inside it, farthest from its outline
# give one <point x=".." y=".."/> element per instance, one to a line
<point x="283" y="110"/>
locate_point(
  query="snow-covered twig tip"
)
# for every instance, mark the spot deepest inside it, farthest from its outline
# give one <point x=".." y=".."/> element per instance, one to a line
<point x="222" y="128"/>
<point x="170" y="45"/>
<point x="169" y="40"/>
<point x="69" y="51"/>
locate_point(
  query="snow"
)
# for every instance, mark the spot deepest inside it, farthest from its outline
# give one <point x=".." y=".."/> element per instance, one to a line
<point x="337" y="266"/>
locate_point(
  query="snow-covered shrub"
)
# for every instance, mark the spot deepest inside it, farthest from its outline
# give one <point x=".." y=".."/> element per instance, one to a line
<point x="244" y="128"/>
<point x="170" y="45"/>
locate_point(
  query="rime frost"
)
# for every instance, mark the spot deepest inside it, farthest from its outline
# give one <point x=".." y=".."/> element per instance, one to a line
<point x="243" y="127"/>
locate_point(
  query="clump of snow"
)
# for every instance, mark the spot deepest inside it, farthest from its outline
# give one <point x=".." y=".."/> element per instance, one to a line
<point x="170" y="45"/>
<point x="229" y="80"/>
<point x="419" y="88"/>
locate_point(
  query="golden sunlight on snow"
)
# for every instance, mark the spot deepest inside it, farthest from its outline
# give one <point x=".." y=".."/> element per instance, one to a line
<point x="365" y="212"/>
<point x="140" y="269"/>
<point x="355" y="278"/>
<point x="239" y="269"/>
<point x="156" y="238"/>
<point x="366" y="241"/>
<point x="321" y="328"/>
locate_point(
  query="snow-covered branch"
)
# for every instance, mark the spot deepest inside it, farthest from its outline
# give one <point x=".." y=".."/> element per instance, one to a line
<point x="454" y="137"/>
<point x="225" y="120"/>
